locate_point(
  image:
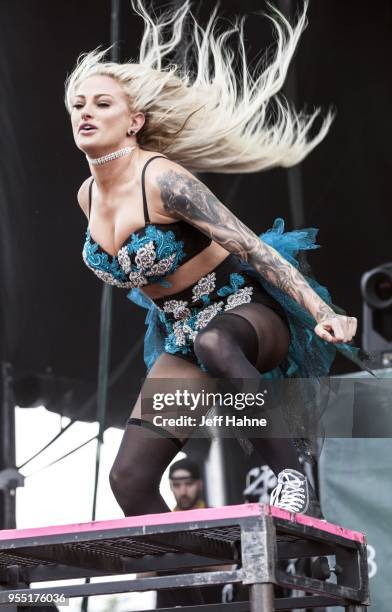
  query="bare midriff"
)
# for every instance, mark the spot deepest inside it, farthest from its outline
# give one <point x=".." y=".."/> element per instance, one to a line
<point x="190" y="272"/>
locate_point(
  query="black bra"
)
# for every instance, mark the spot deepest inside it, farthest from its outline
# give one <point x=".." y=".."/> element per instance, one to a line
<point x="149" y="253"/>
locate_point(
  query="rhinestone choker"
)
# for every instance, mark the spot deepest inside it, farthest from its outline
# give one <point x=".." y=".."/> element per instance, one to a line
<point x="98" y="161"/>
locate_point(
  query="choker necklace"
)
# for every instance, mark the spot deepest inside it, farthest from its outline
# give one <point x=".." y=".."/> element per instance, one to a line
<point x="98" y="161"/>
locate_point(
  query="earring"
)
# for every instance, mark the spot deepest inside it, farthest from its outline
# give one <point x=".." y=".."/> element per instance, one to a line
<point x="131" y="132"/>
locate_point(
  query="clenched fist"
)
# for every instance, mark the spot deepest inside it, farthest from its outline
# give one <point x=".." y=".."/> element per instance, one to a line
<point x="336" y="328"/>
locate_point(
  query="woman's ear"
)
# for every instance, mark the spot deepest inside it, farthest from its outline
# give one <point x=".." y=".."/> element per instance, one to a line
<point x="138" y="120"/>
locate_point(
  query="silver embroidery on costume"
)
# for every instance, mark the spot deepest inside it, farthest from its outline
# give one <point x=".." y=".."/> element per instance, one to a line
<point x="189" y="321"/>
<point x="137" y="279"/>
<point x="207" y="314"/>
<point x="204" y="286"/>
<point x="145" y="256"/>
<point x="162" y="266"/>
<point x="242" y="296"/>
<point x="178" y="308"/>
<point x="179" y="333"/>
<point x="191" y="333"/>
<point x="124" y="260"/>
<point x="107" y="277"/>
<point x="119" y="270"/>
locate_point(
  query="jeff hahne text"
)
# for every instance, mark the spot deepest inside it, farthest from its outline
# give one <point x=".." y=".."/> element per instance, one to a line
<point x="193" y="401"/>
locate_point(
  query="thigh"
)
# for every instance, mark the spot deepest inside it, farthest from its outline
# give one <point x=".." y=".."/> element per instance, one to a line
<point x="273" y="334"/>
<point x="170" y="366"/>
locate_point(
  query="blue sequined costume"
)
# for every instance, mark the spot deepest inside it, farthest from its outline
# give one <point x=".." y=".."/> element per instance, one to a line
<point x="156" y="250"/>
<point x="308" y="356"/>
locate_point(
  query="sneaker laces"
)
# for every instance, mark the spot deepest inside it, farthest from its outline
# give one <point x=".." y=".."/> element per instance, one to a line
<point x="289" y="494"/>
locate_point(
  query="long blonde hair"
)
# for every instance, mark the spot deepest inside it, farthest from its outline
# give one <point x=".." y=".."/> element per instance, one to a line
<point x="213" y="118"/>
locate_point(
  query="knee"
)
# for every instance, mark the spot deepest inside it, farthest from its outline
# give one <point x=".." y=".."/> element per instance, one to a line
<point x="130" y="489"/>
<point x="120" y="480"/>
<point x="116" y="480"/>
<point x="214" y="348"/>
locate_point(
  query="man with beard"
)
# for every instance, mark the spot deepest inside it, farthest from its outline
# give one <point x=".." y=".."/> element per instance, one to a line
<point x="186" y="485"/>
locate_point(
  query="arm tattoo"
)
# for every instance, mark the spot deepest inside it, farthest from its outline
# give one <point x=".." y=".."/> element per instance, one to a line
<point x="189" y="199"/>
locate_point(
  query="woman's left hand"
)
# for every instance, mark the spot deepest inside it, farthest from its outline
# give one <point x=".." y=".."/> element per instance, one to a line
<point x="336" y="328"/>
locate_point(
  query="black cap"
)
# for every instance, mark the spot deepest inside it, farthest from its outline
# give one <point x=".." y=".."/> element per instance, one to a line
<point x="185" y="464"/>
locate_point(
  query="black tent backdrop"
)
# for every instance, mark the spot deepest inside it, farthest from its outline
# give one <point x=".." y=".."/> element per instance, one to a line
<point x="50" y="302"/>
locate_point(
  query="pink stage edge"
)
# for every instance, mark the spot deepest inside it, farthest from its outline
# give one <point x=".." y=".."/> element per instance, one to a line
<point x="187" y="516"/>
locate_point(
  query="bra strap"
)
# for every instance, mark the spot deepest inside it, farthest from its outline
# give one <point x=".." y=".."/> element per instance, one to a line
<point x="145" y="208"/>
<point x="90" y="190"/>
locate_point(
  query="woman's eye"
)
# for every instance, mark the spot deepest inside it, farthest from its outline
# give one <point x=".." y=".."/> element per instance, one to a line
<point x="103" y="104"/>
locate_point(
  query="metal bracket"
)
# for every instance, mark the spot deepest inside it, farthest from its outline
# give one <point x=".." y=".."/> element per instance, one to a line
<point x="259" y="551"/>
<point x="10" y="478"/>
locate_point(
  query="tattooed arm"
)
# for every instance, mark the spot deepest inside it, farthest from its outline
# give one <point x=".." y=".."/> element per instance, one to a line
<point x="185" y="197"/>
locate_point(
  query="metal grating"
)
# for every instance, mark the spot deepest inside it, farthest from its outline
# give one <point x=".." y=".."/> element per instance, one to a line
<point x="129" y="547"/>
<point x="228" y="534"/>
<point x="8" y="558"/>
<point x="217" y="541"/>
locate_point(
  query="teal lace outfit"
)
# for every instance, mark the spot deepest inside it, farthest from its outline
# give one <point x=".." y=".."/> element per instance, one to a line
<point x="157" y="250"/>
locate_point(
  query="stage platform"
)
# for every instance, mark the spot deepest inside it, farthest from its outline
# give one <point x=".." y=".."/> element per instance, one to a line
<point x="252" y="539"/>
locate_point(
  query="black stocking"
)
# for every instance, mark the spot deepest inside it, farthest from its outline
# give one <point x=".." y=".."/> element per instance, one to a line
<point x="135" y="476"/>
<point x="143" y="456"/>
<point x="250" y="339"/>
<point x="137" y="471"/>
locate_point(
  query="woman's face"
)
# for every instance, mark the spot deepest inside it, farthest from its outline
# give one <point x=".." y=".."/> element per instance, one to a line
<point x="100" y="115"/>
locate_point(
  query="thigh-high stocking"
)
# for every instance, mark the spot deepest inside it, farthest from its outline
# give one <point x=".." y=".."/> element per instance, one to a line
<point x="242" y="343"/>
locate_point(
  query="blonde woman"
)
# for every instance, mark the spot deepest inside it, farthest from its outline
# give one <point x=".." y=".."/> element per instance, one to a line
<point x="223" y="301"/>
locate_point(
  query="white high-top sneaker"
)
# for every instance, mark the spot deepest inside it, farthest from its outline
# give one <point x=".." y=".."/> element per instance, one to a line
<point x="292" y="492"/>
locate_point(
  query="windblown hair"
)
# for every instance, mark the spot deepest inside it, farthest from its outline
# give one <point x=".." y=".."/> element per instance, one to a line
<point x="206" y="114"/>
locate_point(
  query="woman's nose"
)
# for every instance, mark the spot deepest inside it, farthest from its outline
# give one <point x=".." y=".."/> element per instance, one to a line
<point x="86" y="112"/>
